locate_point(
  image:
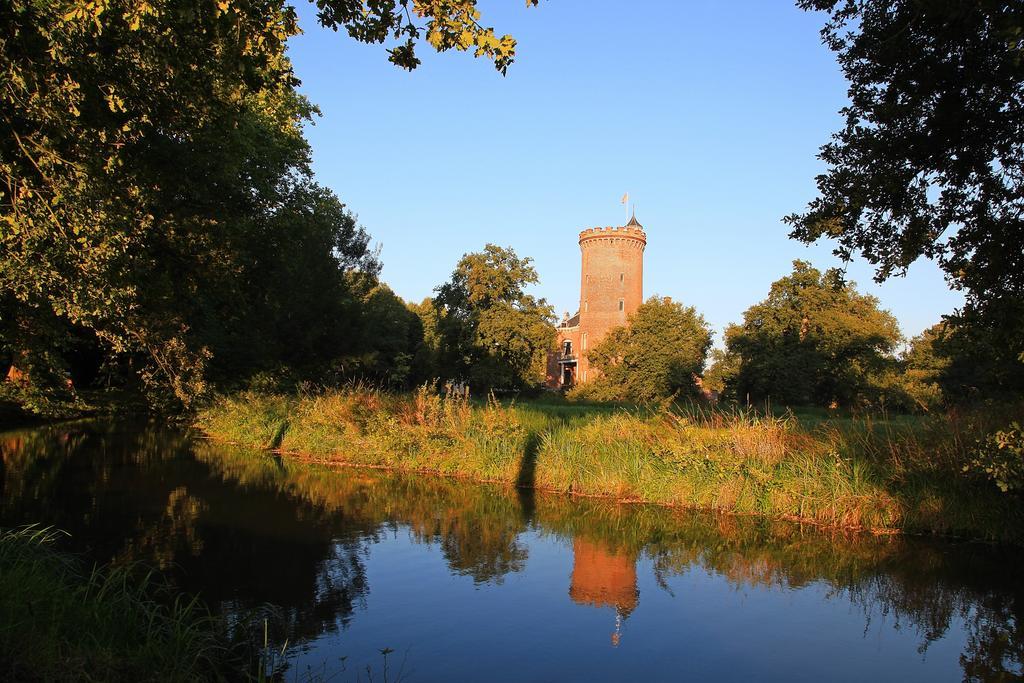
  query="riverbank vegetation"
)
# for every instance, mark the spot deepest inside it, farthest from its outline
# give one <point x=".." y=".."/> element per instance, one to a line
<point x="60" y="621"/>
<point x="883" y="474"/>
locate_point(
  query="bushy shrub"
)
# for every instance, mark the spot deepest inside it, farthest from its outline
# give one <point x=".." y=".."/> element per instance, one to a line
<point x="1000" y="457"/>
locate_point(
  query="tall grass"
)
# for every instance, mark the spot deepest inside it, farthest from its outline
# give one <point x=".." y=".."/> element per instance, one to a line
<point x="424" y="431"/>
<point x="874" y="472"/>
<point x="61" y="622"/>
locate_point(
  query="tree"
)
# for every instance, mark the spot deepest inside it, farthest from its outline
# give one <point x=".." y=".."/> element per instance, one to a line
<point x="931" y="159"/>
<point x="489" y="330"/>
<point x="148" y="154"/>
<point x="814" y="340"/>
<point x="723" y="368"/>
<point x="392" y="334"/>
<point x="450" y="25"/>
<point x="925" y="367"/>
<point x="964" y="362"/>
<point x="426" y="362"/>
<point x="656" y="355"/>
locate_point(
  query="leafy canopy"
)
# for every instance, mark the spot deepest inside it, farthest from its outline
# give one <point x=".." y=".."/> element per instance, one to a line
<point x="489" y="330"/>
<point x="930" y="161"/>
<point x="154" y="182"/>
<point x="445" y="24"/>
<point x="814" y="340"/>
<point x="657" y="354"/>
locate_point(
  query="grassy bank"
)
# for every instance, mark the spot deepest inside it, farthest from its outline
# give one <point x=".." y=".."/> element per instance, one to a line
<point x="881" y="475"/>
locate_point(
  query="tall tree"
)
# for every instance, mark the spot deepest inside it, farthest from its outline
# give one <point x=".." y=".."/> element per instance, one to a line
<point x="657" y="354"/>
<point x="966" y="362"/>
<point x="148" y="149"/>
<point x="392" y="335"/>
<point x="490" y="331"/>
<point x="814" y="340"/>
<point x="931" y="159"/>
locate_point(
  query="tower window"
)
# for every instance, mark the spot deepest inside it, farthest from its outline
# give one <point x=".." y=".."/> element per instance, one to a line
<point x="622" y="277"/>
<point x="622" y="304"/>
<point x="584" y="341"/>
<point x="586" y="306"/>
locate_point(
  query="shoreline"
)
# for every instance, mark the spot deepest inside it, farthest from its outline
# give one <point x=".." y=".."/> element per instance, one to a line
<point x="742" y="465"/>
<point x="310" y="459"/>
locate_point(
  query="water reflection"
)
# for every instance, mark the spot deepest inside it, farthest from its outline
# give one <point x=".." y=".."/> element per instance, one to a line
<point x="604" y="577"/>
<point x="244" y="529"/>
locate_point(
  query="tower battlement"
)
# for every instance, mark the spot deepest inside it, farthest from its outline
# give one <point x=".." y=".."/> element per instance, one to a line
<point x="624" y="232"/>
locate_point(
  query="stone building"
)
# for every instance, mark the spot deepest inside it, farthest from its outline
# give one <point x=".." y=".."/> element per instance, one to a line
<point x="611" y="288"/>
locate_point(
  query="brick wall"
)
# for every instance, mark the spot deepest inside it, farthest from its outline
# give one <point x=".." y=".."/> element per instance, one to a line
<point x="611" y="284"/>
<point x="611" y="288"/>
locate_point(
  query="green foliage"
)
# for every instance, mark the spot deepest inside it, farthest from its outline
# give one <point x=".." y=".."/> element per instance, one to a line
<point x="488" y="330"/>
<point x="924" y="367"/>
<point x="1000" y="457"/>
<point x="724" y="366"/>
<point x="49" y="400"/>
<point x="426" y="357"/>
<point x="930" y="160"/>
<point x="390" y="337"/>
<point x="155" y="189"/>
<point x="59" y="622"/>
<point x="814" y="340"/>
<point x="956" y="364"/>
<point x="450" y="25"/>
<point x="423" y="431"/>
<point x="979" y="363"/>
<point x="655" y="356"/>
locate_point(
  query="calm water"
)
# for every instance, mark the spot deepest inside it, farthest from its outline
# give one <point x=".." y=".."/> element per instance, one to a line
<point x="469" y="582"/>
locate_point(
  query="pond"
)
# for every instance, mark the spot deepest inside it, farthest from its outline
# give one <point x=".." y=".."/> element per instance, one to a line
<point x="468" y="582"/>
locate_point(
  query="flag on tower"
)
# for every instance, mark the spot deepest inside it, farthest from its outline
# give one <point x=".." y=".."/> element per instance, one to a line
<point x="625" y="198"/>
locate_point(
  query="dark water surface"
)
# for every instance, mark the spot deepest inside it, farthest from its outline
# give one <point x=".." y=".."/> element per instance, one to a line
<point x="468" y="582"/>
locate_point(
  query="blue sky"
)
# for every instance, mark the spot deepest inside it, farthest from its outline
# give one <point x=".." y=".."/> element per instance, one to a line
<point x="709" y="113"/>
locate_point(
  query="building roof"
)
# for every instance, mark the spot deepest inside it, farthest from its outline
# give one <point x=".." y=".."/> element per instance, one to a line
<point x="571" y="322"/>
<point x="634" y="223"/>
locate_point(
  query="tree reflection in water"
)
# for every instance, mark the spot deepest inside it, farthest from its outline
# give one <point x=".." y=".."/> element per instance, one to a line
<point x="243" y="529"/>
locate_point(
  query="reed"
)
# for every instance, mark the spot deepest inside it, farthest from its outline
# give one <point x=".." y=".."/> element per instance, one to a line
<point x="62" y="622"/>
<point x="878" y="473"/>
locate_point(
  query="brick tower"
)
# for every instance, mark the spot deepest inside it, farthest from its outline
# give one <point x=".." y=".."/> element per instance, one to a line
<point x="611" y="288"/>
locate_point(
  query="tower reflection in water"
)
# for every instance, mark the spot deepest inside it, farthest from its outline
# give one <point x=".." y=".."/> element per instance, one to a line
<point x="603" y="577"/>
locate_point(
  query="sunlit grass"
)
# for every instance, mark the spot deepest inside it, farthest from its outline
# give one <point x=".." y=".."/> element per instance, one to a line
<point x="877" y="473"/>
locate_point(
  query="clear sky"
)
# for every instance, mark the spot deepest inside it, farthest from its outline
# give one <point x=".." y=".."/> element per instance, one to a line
<point x="708" y="112"/>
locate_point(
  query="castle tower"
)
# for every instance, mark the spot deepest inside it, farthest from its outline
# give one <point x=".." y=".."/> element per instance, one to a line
<point x="611" y="288"/>
<point x="611" y="283"/>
